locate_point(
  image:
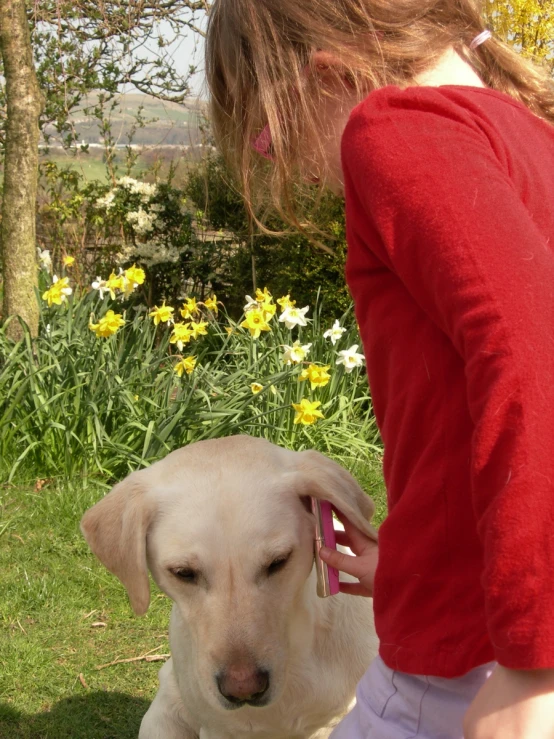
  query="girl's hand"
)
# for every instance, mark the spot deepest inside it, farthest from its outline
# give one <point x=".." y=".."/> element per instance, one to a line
<point x="513" y="704"/>
<point x="362" y="566"/>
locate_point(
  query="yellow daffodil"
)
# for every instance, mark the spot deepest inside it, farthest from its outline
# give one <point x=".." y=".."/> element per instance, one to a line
<point x="114" y="283"/>
<point x="57" y="292"/>
<point x="162" y="315"/>
<point x="187" y="364"/>
<point x="190" y="308"/>
<point x="306" y="412"/>
<point x="318" y="376"/>
<point x="268" y="310"/>
<point x="262" y="302"/>
<point x="182" y="334"/>
<point x="285" y="302"/>
<point x="256" y="388"/>
<point x="255" y="322"/>
<point x="211" y="304"/>
<point x="68" y="261"/>
<point x="263" y="296"/>
<point x="107" y="325"/>
<point x="265" y="303"/>
<point x="198" y="329"/>
<point x="135" y="275"/>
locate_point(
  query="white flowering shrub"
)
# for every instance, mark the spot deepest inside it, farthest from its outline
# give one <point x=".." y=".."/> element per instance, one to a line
<point x="153" y="219"/>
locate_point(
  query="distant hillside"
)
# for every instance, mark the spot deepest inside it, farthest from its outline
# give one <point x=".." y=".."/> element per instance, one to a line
<point x="167" y="124"/>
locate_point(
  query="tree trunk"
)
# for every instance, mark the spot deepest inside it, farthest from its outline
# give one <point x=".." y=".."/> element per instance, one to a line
<point x="17" y="230"/>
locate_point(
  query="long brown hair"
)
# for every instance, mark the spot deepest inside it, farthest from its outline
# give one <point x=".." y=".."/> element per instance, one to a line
<point x="257" y="50"/>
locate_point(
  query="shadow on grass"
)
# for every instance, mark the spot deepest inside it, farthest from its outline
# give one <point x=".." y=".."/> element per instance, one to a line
<point x="96" y="715"/>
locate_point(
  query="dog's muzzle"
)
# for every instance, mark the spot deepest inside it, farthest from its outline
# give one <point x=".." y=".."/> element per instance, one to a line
<point x="244" y="685"/>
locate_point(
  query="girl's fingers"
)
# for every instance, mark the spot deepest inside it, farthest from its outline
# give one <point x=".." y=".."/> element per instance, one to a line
<point x="342" y="538"/>
<point x="355" y="588"/>
<point x="357" y="538"/>
<point x="343" y="562"/>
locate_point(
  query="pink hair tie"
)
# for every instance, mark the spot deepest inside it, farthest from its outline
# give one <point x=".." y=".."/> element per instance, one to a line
<point x="262" y="143"/>
<point x="480" y="39"/>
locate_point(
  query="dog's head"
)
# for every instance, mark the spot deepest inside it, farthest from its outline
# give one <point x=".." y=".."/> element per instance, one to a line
<point x="225" y="528"/>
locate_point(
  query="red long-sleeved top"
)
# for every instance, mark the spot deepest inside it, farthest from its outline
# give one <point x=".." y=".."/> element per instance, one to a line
<point x="450" y="226"/>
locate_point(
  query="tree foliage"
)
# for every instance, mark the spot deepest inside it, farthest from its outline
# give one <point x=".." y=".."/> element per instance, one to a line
<point x="81" y="46"/>
<point x="526" y="24"/>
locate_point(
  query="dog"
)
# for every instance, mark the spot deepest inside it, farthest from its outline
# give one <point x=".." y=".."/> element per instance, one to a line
<point x="226" y="530"/>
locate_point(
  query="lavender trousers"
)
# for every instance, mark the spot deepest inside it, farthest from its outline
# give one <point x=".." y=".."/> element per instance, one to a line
<point x="394" y="705"/>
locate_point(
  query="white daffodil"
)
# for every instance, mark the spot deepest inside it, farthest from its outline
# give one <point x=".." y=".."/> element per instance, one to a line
<point x="293" y="316"/>
<point x="350" y="358"/>
<point x="45" y="259"/>
<point x="296" y="353"/>
<point x="251" y="304"/>
<point x="334" y="333"/>
<point x="101" y="286"/>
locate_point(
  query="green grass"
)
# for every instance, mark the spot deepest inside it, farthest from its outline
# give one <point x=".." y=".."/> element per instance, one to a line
<point x="53" y="591"/>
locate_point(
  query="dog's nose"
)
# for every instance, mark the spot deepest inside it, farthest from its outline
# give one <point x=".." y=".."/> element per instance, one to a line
<point x="239" y="683"/>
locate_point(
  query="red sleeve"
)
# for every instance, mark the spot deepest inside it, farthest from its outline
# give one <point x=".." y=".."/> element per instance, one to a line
<point x="452" y="227"/>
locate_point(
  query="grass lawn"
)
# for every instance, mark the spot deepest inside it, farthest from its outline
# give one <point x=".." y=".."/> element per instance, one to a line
<point x="62" y="615"/>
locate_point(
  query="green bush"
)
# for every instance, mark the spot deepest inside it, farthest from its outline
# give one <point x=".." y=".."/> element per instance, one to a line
<point x="289" y="262"/>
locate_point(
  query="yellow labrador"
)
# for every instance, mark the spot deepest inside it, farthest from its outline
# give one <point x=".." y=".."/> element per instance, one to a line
<point x="225" y="529"/>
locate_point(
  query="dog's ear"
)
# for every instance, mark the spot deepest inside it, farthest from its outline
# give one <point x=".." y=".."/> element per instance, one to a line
<point x="115" y="530"/>
<point x="320" y="477"/>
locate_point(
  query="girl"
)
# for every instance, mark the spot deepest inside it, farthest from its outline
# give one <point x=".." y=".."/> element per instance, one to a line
<point x="441" y="139"/>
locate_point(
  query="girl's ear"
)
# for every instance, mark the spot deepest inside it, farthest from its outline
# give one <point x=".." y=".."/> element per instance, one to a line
<point x="328" y="69"/>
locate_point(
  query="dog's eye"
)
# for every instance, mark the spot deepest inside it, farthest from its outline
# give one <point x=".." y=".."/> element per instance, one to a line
<point x="186" y="574"/>
<point x="278" y="564"/>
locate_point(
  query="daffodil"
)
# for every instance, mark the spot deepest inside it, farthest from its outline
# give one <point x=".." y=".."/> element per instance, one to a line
<point x="164" y="314"/>
<point x="182" y="334"/>
<point x="134" y="276"/>
<point x="263" y="296"/>
<point x="190" y="308"/>
<point x="45" y="259"/>
<point x="101" y="286"/>
<point x="68" y="261"/>
<point x="317" y="375"/>
<point x="211" y="304"/>
<point x="251" y="303"/>
<point x="256" y="388"/>
<point x="292" y="316"/>
<point x="115" y="282"/>
<point x="268" y="310"/>
<point x="350" y="358"/>
<point x="296" y="353"/>
<point x="306" y="411"/>
<point x="255" y="322"/>
<point x="57" y="292"/>
<point x="198" y="329"/>
<point x="187" y="364"/>
<point x="285" y="302"/>
<point x="334" y="333"/>
<point x="263" y="302"/>
<point x="107" y="325"/>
